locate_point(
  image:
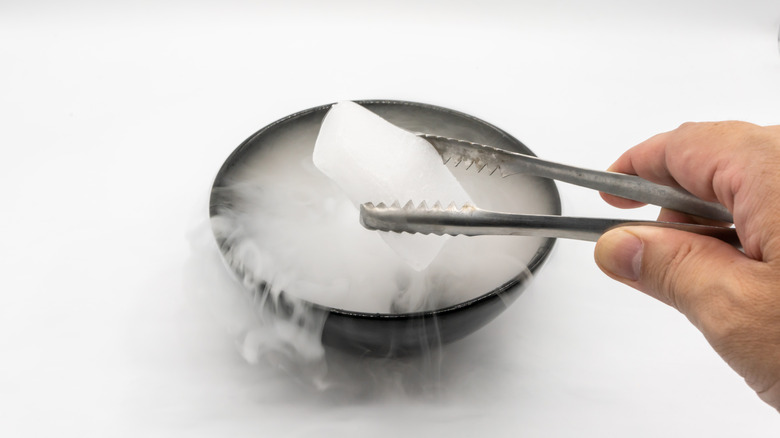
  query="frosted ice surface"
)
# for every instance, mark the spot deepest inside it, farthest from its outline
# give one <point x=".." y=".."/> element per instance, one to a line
<point x="373" y="160"/>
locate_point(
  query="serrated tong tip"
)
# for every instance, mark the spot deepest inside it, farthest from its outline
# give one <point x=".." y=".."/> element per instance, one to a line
<point x="467" y="155"/>
<point x="414" y="218"/>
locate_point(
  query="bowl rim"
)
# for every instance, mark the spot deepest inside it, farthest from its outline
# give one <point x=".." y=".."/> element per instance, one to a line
<point x="541" y="255"/>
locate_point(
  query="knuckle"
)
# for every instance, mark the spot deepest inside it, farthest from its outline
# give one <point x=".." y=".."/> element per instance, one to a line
<point x="721" y="127"/>
<point x="686" y="126"/>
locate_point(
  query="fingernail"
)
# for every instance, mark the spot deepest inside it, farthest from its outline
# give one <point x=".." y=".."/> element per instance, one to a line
<point x="620" y="253"/>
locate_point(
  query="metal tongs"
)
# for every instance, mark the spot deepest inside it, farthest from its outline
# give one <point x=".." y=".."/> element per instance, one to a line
<point x="471" y="221"/>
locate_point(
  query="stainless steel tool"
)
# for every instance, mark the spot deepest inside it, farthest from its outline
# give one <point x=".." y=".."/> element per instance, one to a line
<point x="470" y="220"/>
<point x="492" y="160"/>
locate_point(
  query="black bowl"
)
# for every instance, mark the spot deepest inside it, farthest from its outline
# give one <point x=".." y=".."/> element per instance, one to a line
<point x="385" y="334"/>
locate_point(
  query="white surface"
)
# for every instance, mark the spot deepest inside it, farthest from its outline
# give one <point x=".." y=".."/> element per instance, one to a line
<point x="114" y="120"/>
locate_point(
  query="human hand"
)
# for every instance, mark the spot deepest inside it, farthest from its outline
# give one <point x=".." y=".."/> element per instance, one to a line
<point x="733" y="298"/>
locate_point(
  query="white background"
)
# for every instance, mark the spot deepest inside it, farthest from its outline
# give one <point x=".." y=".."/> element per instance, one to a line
<point x="115" y="118"/>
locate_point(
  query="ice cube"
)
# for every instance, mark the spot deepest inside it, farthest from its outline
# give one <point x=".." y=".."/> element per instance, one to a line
<point x="373" y="160"/>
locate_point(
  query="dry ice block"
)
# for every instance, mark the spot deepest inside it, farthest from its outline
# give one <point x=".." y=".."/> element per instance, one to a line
<point x="373" y="160"/>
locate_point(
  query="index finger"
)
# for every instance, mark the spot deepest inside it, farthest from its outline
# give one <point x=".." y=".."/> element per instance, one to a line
<point x="734" y="163"/>
<point x="701" y="158"/>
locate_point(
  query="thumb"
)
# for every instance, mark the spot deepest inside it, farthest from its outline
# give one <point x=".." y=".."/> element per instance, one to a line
<point x="684" y="270"/>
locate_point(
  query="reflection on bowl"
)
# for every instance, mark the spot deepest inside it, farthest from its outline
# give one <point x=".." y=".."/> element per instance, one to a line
<point x="381" y="333"/>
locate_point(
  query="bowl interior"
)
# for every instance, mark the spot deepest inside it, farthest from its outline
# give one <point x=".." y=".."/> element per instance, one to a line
<point x="288" y="143"/>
